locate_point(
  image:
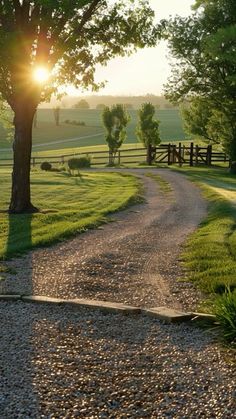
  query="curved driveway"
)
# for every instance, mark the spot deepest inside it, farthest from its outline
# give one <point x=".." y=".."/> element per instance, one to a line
<point x="134" y="260"/>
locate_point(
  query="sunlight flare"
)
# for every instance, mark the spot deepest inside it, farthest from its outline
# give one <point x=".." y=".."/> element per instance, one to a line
<point x="41" y="74"/>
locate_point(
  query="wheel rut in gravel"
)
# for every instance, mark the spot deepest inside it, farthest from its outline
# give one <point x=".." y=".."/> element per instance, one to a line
<point x="133" y="260"/>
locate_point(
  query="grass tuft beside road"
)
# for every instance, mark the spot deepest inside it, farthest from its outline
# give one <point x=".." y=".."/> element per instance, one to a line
<point x="163" y="184"/>
<point x="70" y="205"/>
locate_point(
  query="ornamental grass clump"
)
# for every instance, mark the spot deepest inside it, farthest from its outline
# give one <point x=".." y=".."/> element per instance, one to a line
<point x="224" y="309"/>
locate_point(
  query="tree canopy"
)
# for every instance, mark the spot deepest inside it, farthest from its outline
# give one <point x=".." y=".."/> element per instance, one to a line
<point x="148" y="127"/>
<point x="203" y="46"/>
<point x="82" y="104"/>
<point x="65" y="39"/>
<point x="69" y="37"/>
<point x="115" y="120"/>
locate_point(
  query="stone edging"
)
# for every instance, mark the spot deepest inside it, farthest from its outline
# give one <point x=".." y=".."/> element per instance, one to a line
<point x="168" y="315"/>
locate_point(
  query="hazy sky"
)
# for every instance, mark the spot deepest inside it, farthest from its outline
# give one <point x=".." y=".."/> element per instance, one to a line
<point x="148" y="69"/>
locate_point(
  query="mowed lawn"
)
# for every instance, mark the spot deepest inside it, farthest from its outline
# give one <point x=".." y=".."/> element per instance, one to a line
<point x="210" y="253"/>
<point x="68" y="136"/>
<point x="69" y="205"/>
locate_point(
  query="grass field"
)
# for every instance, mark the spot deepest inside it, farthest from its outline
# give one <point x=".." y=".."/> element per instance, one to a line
<point x="210" y="253"/>
<point x="69" y="204"/>
<point x="67" y="137"/>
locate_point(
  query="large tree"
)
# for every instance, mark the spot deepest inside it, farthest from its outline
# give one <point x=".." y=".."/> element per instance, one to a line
<point x="148" y="129"/>
<point x="68" y="38"/>
<point x="204" y="48"/>
<point x="115" y="120"/>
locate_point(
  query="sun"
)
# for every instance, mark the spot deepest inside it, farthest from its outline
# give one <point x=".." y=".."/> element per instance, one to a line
<point x="40" y="74"/>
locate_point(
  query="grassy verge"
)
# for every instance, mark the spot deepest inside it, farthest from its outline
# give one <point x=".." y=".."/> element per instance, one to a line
<point x="210" y="253"/>
<point x="70" y="205"/>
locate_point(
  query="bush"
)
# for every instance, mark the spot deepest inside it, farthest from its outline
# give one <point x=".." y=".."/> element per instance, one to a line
<point x="84" y="162"/>
<point x="77" y="163"/>
<point x="73" y="164"/>
<point x="46" y="166"/>
<point x="225" y="310"/>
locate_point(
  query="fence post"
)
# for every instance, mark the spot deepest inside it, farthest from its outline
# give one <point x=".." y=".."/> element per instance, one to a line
<point x="119" y="157"/>
<point x="209" y="155"/>
<point x="169" y="155"/>
<point x="197" y="151"/>
<point x="191" y="154"/>
<point x="174" y="153"/>
<point x="180" y="154"/>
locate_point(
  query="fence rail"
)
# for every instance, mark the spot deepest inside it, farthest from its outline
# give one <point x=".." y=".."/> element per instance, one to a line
<point x="163" y="154"/>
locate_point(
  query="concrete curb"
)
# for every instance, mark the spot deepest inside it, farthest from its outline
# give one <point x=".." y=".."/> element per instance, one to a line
<point x="168" y="315"/>
<point x="10" y="297"/>
<point x="165" y="314"/>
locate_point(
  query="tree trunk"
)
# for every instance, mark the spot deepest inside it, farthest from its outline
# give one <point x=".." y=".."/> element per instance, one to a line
<point x="22" y="146"/>
<point x="35" y="120"/>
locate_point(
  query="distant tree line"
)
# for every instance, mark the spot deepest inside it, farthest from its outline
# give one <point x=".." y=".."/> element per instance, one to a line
<point x="130" y="102"/>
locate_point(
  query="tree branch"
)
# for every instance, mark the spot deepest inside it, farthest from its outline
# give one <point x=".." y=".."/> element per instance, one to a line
<point x="84" y="19"/>
<point x="87" y="14"/>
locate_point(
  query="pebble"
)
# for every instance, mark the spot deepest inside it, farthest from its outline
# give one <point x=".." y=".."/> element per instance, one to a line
<point x="57" y="362"/>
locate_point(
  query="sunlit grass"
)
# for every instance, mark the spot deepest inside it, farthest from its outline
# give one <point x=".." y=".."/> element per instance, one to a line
<point x="69" y="204"/>
<point x="210" y="253"/>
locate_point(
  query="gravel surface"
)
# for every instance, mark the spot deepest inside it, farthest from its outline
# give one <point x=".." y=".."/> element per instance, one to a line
<point x="57" y="362"/>
<point x="134" y="260"/>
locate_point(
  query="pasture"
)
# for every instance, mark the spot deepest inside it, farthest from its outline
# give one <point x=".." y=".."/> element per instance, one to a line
<point x="48" y="137"/>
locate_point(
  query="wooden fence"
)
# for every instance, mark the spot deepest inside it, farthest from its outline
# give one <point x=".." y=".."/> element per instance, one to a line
<point x="163" y="154"/>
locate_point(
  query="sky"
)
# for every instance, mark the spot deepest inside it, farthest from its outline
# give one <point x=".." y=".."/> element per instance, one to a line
<point x="147" y="70"/>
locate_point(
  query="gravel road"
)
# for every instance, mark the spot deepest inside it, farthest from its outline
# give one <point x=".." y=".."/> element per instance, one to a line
<point x="134" y="260"/>
<point x="57" y="362"/>
<point x="60" y="362"/>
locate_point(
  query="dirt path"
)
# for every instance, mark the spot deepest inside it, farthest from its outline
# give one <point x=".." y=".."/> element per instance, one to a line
<point x="134" y="260"/>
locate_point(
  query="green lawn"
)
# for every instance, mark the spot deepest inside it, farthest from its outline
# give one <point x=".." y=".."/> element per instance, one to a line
<point x="70" y="205"/>
<point x="210" y="253"/>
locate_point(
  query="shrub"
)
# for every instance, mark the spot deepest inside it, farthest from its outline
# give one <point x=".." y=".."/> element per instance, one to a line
<point x="84" y="162"/>
<point x="73" y="163"/>
<point x="46" y="166"/>
<point x="79" y="162"/>
<point x="225" y="310"/>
